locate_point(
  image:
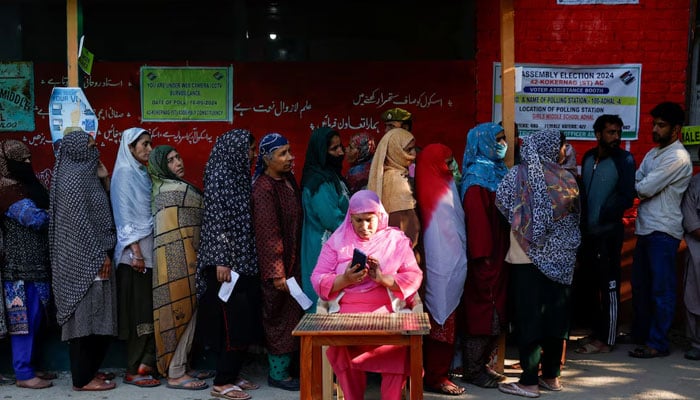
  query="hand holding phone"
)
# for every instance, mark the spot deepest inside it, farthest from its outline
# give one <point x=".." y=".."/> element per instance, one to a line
<point x="358" y="257"/>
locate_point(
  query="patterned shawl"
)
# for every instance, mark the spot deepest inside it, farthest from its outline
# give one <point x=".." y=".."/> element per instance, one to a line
<point x="540" y="200"/>
<point x="444" y="233"/>
<point x="130" y="192"/>
<point x="388" y="176"/>
<point x="81" y="231"/>
<point x="358" y="173"/>
<point x="177" y="212"/>
<point x="227" y="227"/>
<point x="480" y="165"/>
<point x="317" y="170"/>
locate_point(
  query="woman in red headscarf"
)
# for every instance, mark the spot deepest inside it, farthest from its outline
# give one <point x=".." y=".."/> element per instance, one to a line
<point x="445" y="249"/>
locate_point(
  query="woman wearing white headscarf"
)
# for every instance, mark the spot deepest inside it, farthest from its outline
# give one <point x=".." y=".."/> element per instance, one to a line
<point x="131" y="204"/>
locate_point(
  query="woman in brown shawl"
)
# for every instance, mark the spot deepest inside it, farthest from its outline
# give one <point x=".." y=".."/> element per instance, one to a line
<point x="177" y="215"/>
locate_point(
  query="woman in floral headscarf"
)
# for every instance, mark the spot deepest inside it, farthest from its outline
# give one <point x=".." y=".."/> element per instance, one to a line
<point x="227" y="250"/>
<point x="540" y="200"/>
<point x="359" y="156"/>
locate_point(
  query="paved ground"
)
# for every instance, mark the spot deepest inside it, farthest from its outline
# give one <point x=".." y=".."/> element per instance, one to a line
<point x="603" y="376"/>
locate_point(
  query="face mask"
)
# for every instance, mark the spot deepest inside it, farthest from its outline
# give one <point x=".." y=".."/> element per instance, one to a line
<point x="452" y="165"/>
<point x="501" y="149"/>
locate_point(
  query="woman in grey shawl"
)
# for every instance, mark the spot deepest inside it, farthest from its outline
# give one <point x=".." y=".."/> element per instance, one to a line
<point x="81" y="240"/>
<point x="540" y="200"/>
<point x="131" y="203"/>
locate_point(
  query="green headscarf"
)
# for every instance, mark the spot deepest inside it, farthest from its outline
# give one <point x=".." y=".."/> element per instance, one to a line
<point x="316" y="169"/>
<point x="161" y="174"/>
<point x="158" y="164"/>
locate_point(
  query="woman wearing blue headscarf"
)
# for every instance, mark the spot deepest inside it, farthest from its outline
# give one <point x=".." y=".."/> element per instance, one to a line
<point x="277" y="217"/>
<point x="484" y="298"/>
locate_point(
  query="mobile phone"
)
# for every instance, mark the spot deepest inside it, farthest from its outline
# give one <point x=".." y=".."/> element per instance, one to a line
<point x="358" y="257"/>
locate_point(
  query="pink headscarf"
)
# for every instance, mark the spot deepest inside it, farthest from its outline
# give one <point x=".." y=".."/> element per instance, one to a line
<point x="387" y="245"/>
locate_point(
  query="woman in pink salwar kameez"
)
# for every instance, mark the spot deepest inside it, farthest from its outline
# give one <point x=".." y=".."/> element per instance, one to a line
<point x="386" y="284"/>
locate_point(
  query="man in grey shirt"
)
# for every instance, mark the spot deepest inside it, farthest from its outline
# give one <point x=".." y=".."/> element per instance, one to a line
<point x="661" y="180"/>
<point x="690" y="207"/>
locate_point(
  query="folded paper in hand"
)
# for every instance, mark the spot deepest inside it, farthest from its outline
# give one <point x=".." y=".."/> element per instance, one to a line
<point x="298" y="294"/>
<point x="227" y="287"/>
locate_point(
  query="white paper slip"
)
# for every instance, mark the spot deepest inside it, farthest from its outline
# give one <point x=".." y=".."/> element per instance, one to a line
<point x="298" y="294"/>
<point x="227" y="287"/>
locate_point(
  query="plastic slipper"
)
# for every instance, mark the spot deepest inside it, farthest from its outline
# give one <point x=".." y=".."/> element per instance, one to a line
<point x="484" y="380"/>
<point x="647" y="352"/>
<point x="105" y="376"/>
<point x="34" y="383"/>
<point x="141" y="380"/>
<point x="513" y="388"/>
<point x="246" y="384"/>
<point x="545" y="385"/>
<point x="184" y="385"/>
<point x="202" y="373"/>
<point x="98" y="387"/>
<point x="6" y="381"/>
<point x="692" y="354"/>
<point x="590" y="348"/>
<point x="231" y="393"/>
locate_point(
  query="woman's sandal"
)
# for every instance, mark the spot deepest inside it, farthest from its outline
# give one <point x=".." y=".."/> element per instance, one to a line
<point x="246" y="384"/>
<point x="232" y="392"/>
<point x="514" y="388"/>
<point x="141" y="380"/>
<point x="96" y="385"/>
<point x="548" y="386"/>
<point x="593" y="348"/>
<point x="447" y="388"/>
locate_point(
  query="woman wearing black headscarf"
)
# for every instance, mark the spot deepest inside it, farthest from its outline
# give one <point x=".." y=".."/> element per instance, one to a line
<point x="82" y="238"/>
<point x="227" y="252"/>
<point x="25" y="271"/>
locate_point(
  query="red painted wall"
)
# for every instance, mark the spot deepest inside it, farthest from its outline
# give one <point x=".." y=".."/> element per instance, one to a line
<point x="653" y="33"/>
<point x="348" y="96"/>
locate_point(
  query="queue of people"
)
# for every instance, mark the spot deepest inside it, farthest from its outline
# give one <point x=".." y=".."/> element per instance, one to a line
<point x="161" y="264"/>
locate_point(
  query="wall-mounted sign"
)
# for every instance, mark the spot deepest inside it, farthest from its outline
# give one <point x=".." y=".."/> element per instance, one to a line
<point x="16" y="96"/>
<point x="570" y="98"/>
<point x="69" y="107"/>
<point x="187" y="94"/>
